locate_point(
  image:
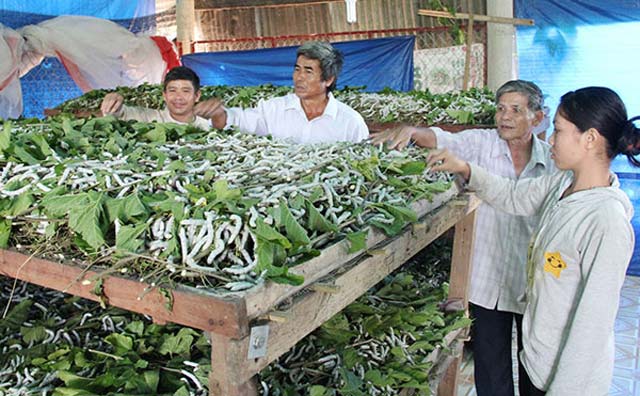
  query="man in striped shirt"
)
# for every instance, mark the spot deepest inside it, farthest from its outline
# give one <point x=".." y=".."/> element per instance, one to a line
<point x="500" y="246"/>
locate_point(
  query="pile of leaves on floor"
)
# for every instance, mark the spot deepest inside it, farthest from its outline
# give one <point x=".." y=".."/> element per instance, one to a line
<point x="55" y="344"/>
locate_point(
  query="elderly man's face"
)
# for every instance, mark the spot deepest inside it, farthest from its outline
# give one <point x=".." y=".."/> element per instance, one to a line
<point x="514" y="119"/>
<point x="307" y="79"/>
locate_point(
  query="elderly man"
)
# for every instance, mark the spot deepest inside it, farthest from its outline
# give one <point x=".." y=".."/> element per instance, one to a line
<point x="309" y="115"/>
<point x="181" y="91"/>
<point x="498" y="279"/>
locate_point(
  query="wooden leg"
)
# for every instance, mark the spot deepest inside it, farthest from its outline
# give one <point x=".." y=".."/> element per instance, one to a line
<point x="220" y="387"/>
<point x="449" y="384"/>
<point x="458" y="289"/>
<point x="461" y="259"/>
<point x="228" y="376"/>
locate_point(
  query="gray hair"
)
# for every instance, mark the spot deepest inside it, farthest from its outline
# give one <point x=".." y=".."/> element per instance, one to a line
<point x="531" y="91"/>
<point x="330" y="59"/>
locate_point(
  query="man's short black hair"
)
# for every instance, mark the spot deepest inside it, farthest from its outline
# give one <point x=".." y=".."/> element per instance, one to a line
<point x="182" y="73"/>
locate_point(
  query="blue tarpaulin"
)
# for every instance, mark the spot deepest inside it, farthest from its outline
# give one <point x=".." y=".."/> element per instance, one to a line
<point x="577" y="43"/>
<point x="48" y="84"/>
<point x="376" y="64"/>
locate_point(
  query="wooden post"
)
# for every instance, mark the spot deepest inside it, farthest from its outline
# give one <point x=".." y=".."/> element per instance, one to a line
<point x="185" y="21"/>
<point x="458" y="289"/>
<point x="467" y="55"/>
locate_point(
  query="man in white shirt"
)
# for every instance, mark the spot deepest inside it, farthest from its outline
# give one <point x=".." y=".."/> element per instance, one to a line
<point x="498" y="280"/>
<point x="309" y="115"/>
<point x="181" y="91"/>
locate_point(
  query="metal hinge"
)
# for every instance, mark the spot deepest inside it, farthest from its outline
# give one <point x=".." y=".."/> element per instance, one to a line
<point x="258" y="341"/>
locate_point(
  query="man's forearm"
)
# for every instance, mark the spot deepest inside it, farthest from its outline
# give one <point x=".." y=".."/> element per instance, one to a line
<point x="424" y="137"/>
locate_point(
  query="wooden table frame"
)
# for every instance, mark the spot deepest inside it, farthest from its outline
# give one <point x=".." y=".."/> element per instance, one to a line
<point x="229" y="317"/>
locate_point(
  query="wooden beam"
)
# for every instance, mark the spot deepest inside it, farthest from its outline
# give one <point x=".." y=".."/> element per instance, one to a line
<point x="458" y="289"/>
<point x="241" y="4"/>
<point x="223" y="315"/>
<point x="476" y="17"/>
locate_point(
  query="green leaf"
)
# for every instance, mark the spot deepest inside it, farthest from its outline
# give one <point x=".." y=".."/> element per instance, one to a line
<point x="352" y="383"/>
<point x="266" y="232"/>
<point x="319" y="390"/>
<point x="33" y="334"/>
<point x="125" y="209"/>
<point x="42" y="145"/>
<point x="75" y="381"/>
<point x="317" y="222"/>
<point x="59" y="205"/>
<point x="168" y="298"/>
<point x="24" y="155"/>
<point x="376" y="378"/>
<point x="357" y="241"/>
<point x="86" y="219"/>
<point x="350" y="358"/>
<point x="183" y="391"/>
<point x="16" y="316"/>
<point x="121" y="343"/>
<point x="5" y="232"/>
<point x="366" y="167"/>
<point x="5" y="136"/>
<point x="178" y="344"/>
<point x="127" y="237"/>
<point x="224" y="193"/>
<point x="157" y="135"/>
<point x="425" y="345"/>
<point x="20" y="204"/>
<point x="136" y="327"/>
<point x="152" y="379"/>
<point x="461" y="116"/>
<point x="295" y="232"/>
<point x="413" y="168"/>
<point x="403" y="213"/>
<point x="390" y="229"/>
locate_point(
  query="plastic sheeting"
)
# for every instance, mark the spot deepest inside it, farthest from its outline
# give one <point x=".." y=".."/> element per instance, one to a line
<point x="577" y="43"/>
<point x="138" y="13"/>
<point x="123" y="59"/>
<point x="376" y="64"/>
<point x="48" y="84"/>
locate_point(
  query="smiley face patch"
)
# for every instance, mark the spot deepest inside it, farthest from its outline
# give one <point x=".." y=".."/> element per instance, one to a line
<point x="554" y="264"/>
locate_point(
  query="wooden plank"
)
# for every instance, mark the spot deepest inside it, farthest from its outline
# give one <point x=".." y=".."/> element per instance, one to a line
<point x="312" y="309"/>
<point x="458" y="289"/>
<point x="461" y="257"/>
<point x="261" y="299"/>
<point x="379" y="127"/>
<point x="481" y="18"/>
<point x="222" y="315"/>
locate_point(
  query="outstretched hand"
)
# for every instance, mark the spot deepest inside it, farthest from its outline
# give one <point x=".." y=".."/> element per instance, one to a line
<point x="445" y="161"/>
<point x="212" y="109"/>
<point x="112" y="103"/>
<point x="396" y="138"/>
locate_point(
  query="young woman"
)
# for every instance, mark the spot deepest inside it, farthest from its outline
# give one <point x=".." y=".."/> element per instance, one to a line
<point x="580" y="250"/>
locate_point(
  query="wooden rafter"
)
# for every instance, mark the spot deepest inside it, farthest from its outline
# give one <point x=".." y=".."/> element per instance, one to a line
<point x="238" y="5"/>
<point x="476" y="17"/>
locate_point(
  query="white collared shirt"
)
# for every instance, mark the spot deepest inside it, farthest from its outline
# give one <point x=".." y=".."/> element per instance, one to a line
<point x="498" y="279"/>
<point x="283" y="118"/>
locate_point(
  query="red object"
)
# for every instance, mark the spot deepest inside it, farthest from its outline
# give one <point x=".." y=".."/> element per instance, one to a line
<point x="74" y="72"/>
<point x="168" y="52"/>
